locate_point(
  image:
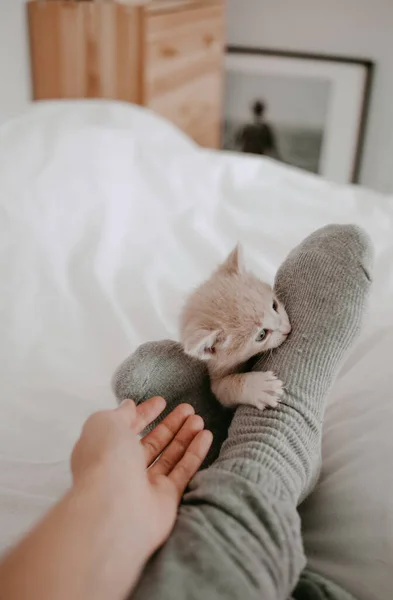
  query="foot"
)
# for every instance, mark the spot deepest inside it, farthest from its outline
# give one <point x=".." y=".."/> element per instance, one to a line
<point x="324" y="285"/>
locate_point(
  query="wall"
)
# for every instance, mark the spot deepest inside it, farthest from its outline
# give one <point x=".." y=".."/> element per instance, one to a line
<point x="360" y="28"/>
<point x="14" y="59"/>
<point x="349" y="27"/>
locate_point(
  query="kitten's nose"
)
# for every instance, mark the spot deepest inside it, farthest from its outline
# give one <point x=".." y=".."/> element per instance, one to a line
<point x="287" y="330"/>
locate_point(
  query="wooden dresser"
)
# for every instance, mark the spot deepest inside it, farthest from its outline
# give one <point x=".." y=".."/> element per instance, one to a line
<point x="167" y="55"/>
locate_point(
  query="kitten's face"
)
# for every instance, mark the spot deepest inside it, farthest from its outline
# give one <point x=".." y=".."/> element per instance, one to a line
<point x="231" y="317"/>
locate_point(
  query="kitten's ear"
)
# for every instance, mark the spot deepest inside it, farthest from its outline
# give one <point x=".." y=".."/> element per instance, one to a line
<point x="201" y="344"/>
<point x="235" y="261"/>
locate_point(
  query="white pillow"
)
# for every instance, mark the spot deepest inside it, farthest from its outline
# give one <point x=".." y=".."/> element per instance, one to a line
<point x="348" y="519"/>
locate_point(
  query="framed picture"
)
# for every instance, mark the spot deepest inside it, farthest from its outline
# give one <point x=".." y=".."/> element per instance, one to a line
<point x="305" y="110"/>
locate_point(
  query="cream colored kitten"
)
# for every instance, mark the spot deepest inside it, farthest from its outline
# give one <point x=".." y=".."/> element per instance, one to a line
<point x="227" y="320"/>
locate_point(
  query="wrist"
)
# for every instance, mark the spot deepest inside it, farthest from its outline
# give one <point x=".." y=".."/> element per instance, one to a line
<point x="104" y="476"/>
<point x="119" y="499"/>
<point x="114" y="509"/>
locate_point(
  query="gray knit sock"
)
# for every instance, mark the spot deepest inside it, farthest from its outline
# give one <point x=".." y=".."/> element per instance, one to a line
<point x="163" y="369"/>
<point x="324" y="285"/>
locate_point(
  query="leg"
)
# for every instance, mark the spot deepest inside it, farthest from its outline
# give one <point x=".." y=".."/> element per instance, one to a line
<point x="238" y="531"/>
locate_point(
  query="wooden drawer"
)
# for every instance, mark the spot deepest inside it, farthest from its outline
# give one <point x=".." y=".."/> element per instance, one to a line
<point x="165" y="54"/>
<point x="181" y="47"/>
<point x="195" y="107"/>
<point x="85" y="50"/>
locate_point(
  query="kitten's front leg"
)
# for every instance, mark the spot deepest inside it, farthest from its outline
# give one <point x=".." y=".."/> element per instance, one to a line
<point x="255" y="389"/>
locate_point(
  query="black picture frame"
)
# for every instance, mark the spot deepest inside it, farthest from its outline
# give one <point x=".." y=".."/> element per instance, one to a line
<point x="367" y="64"/>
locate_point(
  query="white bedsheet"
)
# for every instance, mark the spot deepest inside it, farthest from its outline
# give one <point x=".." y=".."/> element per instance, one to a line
<point x="108" y="216"/>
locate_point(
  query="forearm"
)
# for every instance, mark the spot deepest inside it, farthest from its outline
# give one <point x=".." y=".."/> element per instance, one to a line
<point x="86" y="547"/>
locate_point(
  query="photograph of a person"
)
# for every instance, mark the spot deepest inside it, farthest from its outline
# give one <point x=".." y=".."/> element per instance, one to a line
<point x="307" y="111"/>
<point x="276" y="116"/>
<point x="257" y="137"/>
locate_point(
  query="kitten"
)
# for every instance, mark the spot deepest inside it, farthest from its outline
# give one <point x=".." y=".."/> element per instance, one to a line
<point x="227" y="320"/>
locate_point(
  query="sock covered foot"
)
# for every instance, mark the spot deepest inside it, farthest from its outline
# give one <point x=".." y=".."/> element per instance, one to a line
<point x="324" y="285"/>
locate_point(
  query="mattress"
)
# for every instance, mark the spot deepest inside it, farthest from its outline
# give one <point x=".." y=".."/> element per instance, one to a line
<point x="108" y="217"/>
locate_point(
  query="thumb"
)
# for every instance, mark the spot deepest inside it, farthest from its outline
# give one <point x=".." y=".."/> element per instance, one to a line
<point x="127" y="412"/>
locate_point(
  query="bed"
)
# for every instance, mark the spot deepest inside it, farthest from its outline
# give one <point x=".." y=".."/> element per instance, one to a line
<point x="108" y="216"/>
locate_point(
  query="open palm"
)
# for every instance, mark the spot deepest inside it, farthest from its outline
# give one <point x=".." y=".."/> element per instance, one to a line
<point x="157" y="468"/>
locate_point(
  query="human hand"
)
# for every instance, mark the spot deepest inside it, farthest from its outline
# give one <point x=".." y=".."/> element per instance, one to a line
<point x="110" y="451"/>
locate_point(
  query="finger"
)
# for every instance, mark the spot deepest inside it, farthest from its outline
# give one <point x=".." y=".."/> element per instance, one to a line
<point x="194" y="456"/>
<point x="176" y="449"/>
<point x="147" y="412"/>
<point x="157" y="440"/>
<point x="127" y="411"/>
<point x="139" y="417"/>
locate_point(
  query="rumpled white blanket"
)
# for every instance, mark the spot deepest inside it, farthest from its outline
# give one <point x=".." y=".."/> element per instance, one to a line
<point x="108" y="216"/>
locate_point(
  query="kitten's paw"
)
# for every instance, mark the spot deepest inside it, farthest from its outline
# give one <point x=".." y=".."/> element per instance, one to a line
<point x="267" y="375"/>
<point x="263" y="389"/>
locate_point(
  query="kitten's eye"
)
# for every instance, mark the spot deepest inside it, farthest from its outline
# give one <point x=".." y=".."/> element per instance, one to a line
<point x="261" y="335"/>
<point x="275" y="305"/>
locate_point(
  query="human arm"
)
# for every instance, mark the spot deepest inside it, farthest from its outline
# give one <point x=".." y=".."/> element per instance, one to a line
<point x="95" y="541"/>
